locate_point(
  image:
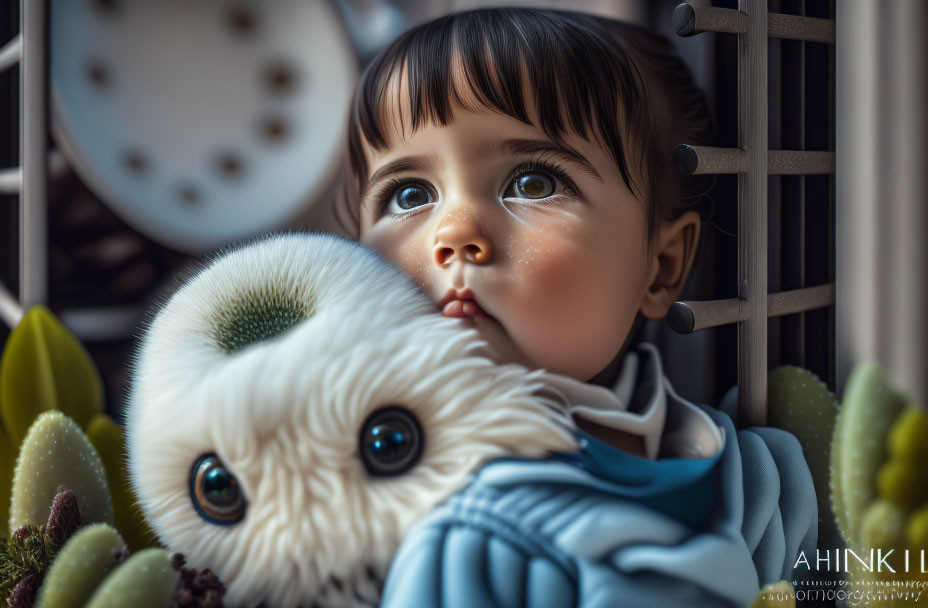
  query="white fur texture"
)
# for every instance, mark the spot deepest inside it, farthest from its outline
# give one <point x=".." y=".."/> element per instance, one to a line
<point x="284" y="415"/>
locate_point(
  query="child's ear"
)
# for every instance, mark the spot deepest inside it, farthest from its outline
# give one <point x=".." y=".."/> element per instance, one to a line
<point x="671" y="258"/>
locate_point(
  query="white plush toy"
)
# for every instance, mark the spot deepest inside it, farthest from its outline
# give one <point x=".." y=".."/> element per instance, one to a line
<point x="299" y="404"/>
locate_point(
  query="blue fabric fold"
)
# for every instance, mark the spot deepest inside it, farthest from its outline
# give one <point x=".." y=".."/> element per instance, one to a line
<point x="601" y="527"/>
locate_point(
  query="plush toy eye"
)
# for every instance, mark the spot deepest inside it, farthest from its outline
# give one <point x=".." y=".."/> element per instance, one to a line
<point x="215" y="492"/>
<point x="391" y="441"/>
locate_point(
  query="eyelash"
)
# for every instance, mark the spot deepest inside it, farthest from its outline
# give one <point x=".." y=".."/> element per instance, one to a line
<point x="392" y="185"/>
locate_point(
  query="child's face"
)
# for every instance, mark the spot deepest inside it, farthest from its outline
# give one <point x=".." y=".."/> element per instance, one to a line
<point x="480" y="209"/>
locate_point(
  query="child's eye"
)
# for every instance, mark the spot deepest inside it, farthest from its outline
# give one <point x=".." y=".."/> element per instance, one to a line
<point x="536" y="181"/>
<point x="405" y="197"/>
<point x="533" y="185"/>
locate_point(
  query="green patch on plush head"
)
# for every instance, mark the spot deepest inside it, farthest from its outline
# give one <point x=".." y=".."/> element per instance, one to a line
<point x="258" y="316"/>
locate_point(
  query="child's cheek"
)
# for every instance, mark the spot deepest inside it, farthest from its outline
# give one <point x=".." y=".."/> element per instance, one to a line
<point x="565" y="296"/>
<point x="564" y="256"/>
<point x="545" y="272"/>
<point x="402" y="244"/>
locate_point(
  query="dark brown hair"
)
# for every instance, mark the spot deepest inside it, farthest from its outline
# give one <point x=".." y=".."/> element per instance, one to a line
<point x="596" y="77"/>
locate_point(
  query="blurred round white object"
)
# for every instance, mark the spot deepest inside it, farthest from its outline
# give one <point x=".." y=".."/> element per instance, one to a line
<point x="201" y="122"/>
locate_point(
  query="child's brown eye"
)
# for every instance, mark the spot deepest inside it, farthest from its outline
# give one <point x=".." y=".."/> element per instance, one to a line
<point x="537" y="180"/>
<point x="534" y="185"/>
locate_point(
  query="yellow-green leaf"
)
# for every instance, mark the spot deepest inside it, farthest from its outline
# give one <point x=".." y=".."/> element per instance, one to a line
<point x="108" y="438"/>
<point x="799" y="402"/>
<point x="917" y="529"/>
<point x="858" y="445"/>
<point x="7" y="465"/>
<point x="43" y="368"/>
<point x="908" y="439"/>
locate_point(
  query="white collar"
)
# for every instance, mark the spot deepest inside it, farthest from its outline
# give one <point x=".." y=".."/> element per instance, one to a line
<point x="643" y="403"/>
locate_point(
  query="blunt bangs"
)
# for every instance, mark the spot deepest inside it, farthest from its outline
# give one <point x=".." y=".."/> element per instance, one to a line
<point x="582" y="75"/>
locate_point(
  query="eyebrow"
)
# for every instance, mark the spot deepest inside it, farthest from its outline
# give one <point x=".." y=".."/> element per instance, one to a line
<point x="400" y="165"/>
<point x="540" y="146"/>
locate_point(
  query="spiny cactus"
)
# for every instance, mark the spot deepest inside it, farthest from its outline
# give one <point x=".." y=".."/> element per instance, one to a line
<point x="879" y="482"/>
<point x="799" y="402"/>
<point x="56" y="455"/>
<point x="61" y="377"/>
<point x="883" y="528"/>
<point x="80" y="566"/>
<point x="858" y="448"/>
<point x="77" y="567"/>
<point x="44" y="367"/>
<point x="883" y="525"/>
<point x="145" y="580"/>
<point x="108" y="439"/>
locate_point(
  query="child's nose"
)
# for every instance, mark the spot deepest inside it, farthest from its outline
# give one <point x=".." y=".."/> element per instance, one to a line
<point x="461" y="241"/>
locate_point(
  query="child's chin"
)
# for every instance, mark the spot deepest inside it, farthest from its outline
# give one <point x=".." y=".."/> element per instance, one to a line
<point x="499" y="340"/>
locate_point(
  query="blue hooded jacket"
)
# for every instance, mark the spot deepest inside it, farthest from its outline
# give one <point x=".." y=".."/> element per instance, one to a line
<point x="602" y="527"/>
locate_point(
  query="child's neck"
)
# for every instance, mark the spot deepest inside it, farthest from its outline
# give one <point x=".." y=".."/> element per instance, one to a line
<point x="610" y="374"/>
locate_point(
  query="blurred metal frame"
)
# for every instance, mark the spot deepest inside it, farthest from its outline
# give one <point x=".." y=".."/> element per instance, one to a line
<point x="30" y="49"/>
<point x="753" y="161"/>
<point x="882" y="189"/>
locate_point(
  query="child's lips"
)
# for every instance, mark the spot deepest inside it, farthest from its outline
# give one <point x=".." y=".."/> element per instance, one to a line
<point x="462" y="309"/>
<point x="461" y="305"/>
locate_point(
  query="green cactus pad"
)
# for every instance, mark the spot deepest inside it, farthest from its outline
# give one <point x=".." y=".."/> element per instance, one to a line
<point x="146" y="580"/>
<point x="108" y="439"/>
<point x="44" y="367"/>
<point x="883" y="526"/>
<point x="56" y="455"/>
<point x="799" y="402"/>
<point x="80" y="566"/>
<point x="859" y="445"/>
